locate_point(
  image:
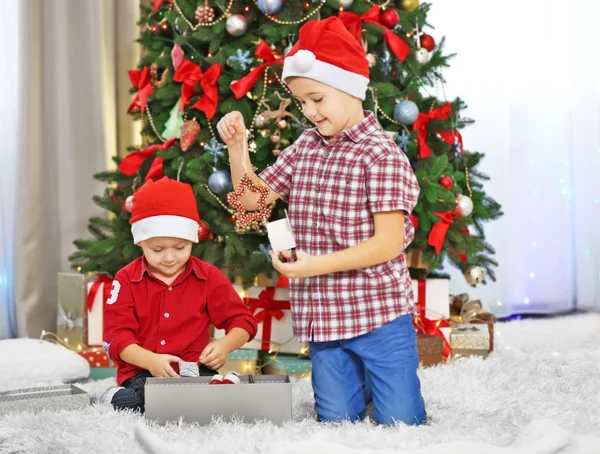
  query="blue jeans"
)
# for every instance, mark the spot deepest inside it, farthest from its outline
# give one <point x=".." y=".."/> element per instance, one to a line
<point x="380" y="366"/>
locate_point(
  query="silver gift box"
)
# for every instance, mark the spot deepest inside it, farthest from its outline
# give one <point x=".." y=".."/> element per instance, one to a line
<point x="54" y="398"/>
<point x="256" y="398"/>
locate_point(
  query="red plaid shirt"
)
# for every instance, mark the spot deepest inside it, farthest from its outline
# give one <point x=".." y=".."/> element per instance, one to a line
<point x="332" y="191"/>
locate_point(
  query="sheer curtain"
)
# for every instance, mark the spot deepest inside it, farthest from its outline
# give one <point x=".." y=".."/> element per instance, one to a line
<point x="9" y="80"/>
<point x="73" y="77"/>
<point x="530" y="73"/>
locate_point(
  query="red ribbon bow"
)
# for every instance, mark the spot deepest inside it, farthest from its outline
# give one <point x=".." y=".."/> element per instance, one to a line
<point x="270" y="308"/>
<point x="425" y="325"/>
<point x="438" y="232"/>
<point x="157" y="4"/>
<point x="421" y="125"/>
<point x="245" y="84"/>
<point x="133" y="161"/>
<point x="102" y="279"/>
<point x="140" y="79"/>
<point x="191" y="74"/>
<point x="353" y="23"/>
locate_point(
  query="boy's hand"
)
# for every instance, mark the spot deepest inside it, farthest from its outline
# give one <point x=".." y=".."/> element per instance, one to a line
<point x="214" y="355"/>
<point x="232" y="129"/>
<point x="160" y="365"/>
<point x="303" y="265"/>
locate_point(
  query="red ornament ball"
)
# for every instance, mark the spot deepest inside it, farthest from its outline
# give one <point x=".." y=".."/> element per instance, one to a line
<point x="203" y="231"/>
<point x="447" y="182"/>
<point x="427" y="42"/>
<point x="415" y="221"/>
<point x="389" y="18"/>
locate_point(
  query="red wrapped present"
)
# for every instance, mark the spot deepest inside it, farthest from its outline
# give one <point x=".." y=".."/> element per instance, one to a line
<point x="97" y="357"/>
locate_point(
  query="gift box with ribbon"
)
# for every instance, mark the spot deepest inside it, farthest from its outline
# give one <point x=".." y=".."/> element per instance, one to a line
<point x="71" y="308"/>
<point x="243" y="361"/>
<point x="98" y="293"/>
<point x="465" y="311"/>
<point x="101" y="365"/>
<point x="271" y="309"/>
<point x="470" y="339"/>
<point x="431" y="298"/>
<point x="430" y="349"/>
<point x="282" y="364"/>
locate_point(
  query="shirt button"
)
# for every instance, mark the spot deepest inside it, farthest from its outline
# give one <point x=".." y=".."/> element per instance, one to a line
<point x="327" y="154"/>
<point x="314" y="224"/>
<point x="167" y="315"/>
<point x="170" y="288"/>
<point x="318" y="188"/>
<point x="162" y="342"/>
<point x="347" y="180"/>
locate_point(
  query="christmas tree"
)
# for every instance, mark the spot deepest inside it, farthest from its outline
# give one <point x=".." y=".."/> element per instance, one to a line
<point x="206" y="58"/>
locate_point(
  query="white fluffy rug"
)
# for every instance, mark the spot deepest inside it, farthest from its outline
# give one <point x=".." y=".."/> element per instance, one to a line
<point x="539" y="393"/>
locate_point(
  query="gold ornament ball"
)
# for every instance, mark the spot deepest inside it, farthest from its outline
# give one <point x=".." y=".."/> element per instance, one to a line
<point x="408" y="5"/>
<point x="474" y="275"/>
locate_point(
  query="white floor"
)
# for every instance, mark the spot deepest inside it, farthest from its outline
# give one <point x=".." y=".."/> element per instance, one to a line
<point x="538" y="393"/>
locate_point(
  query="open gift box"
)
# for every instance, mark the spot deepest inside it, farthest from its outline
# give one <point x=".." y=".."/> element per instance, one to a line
<point x="256" y="398"/>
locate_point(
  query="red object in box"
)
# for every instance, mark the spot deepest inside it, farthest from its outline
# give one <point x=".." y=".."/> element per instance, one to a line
<point x="97" y="357"/>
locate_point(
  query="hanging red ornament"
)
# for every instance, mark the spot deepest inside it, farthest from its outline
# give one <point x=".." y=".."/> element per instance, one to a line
<point x="427" y="42"/>
<point x="189" y="133"/>
<point x="389" y="18"/>
<point x="415" y="221"/>
<point x="203" y="231"/>
<point x="446" y="182"/>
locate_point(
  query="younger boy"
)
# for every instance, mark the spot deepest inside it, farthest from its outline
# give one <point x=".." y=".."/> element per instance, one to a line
<point x="350" y="190"/>
<point x="161" y="304"/>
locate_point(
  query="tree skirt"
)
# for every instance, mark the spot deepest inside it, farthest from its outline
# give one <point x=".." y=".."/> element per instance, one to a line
<point x="538" y="393"/>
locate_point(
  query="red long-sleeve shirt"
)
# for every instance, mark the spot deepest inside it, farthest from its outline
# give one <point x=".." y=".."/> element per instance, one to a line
<point x="171" y="319"/>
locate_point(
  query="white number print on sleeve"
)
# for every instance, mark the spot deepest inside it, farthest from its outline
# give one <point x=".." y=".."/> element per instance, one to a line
<point x="114" y="292"/>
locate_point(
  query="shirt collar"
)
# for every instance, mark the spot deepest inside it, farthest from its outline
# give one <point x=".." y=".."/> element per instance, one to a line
<point x="359" y="131"/>
<point x="189" y="267"/>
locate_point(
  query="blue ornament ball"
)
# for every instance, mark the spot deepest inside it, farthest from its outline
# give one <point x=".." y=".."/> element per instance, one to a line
<point x="219" y="181"/>
<point x="406" y="112"/>
<point x="269" y="6"/>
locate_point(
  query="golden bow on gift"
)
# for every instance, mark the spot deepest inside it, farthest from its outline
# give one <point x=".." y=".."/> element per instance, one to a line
<point x="464" y="310"/>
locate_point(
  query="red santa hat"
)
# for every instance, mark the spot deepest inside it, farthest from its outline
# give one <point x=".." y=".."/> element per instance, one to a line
<point x="327" y="52"/>
<point x="164" y="208"/>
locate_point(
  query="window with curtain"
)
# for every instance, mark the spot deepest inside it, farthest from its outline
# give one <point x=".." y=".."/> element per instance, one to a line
<point x="530" y="76"/>
<point x="9" y="81"/>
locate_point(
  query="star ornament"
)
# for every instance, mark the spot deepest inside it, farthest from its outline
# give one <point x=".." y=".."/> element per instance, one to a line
<point x="244" y="218"/>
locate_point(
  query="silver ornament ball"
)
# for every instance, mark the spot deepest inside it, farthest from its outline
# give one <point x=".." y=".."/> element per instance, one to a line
<point x="474" y="275"/>
<point x="422" y="56"/>
<point x="406" y="112"/>
<point x="269" y="6"/>
<point x="129" y="203"/>
<point x="219" y="181"/>
<point x="371" y="60"/>
<point x="236" y="25"/>
<point x="345" y="3"/>
<point x="464" y="205"/>
<point x="259" y="121"/>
